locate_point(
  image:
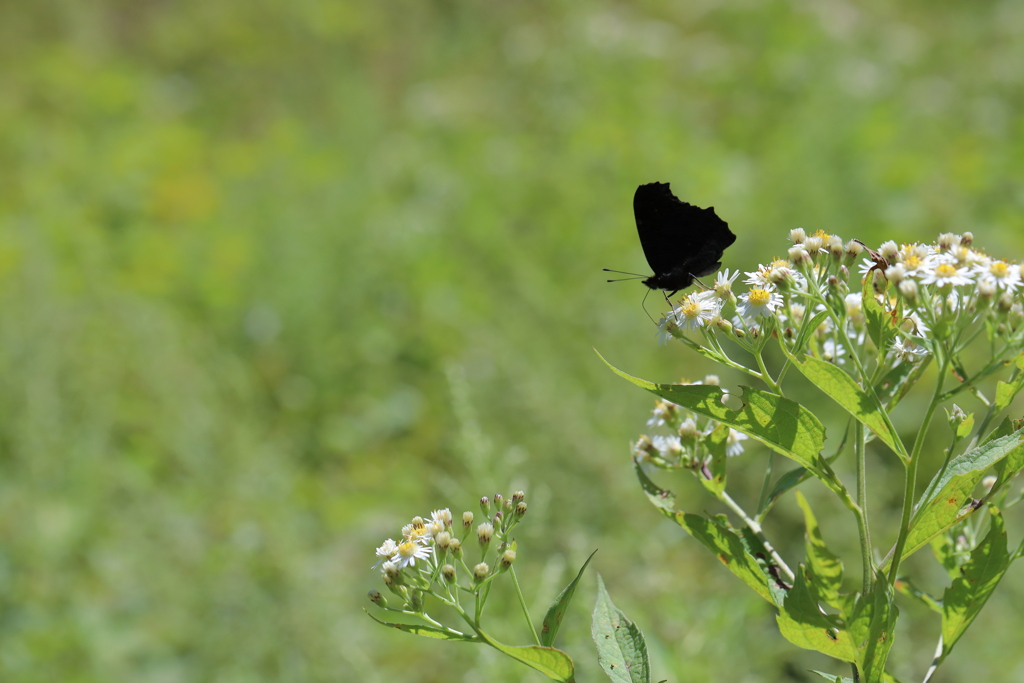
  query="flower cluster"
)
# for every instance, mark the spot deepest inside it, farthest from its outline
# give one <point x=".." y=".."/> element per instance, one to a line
<point x="687" y="445"/>
<point x="931" y="297"/>
<point x="430" y="558"/>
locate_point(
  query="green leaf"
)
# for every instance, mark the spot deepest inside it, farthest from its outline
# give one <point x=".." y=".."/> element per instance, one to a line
<point x="864" y="407"/>
<point x="553" y="618"/>
<point x="621" y="649"/>
<point x="795" y="477"/>
<point x="714" y="534"/>
<point x="963" y="430"/>
<point x="1005" y="391"/>
<point x="979" y="577"/>
<point x="553" y="663"/>
<point x="945" y="553"/>
<point x="802" y="623"/>
<point x="427" y="631"/>
<point x="832" y="677"/>
<point x="877" y="319"/>
<point x="716" y="466"/>
<point x="947" y="499"/>
<point x="873" y="629"/>
<point x="783" y="425"/>
<point x="825" y="566"/>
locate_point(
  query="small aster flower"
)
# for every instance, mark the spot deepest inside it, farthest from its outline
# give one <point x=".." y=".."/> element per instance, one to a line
<point x="669" y="447"/>
<point x="734" y="442"/>
<point x="696" y="311"/>
<point x="758" y="302"/>
<point x="1006" y="275"/>
<point x="663" y="411"/>
<point x="409" y="552"/>
<point x="943" y="272"/>
<point x="386" y="551"/>
<point x="723" y="283"/>
<point x="668" y="328"/>
<point x="688" y="428"/>
<point x="905" y="349"/>
<point x="854" y="308"/>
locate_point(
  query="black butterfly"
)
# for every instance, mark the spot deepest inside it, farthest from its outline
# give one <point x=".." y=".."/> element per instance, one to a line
<point x="681" y="242"/>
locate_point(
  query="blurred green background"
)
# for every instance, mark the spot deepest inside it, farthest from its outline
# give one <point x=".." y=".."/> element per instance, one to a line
<point x="275" y="277"/>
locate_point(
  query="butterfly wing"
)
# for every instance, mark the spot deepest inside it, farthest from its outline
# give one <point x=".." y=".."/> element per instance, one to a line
<point x="679" y="240"/>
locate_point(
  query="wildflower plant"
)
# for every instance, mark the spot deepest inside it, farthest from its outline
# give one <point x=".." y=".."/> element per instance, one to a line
<point x="865" y="327"/>
<point x="454" y="565"/>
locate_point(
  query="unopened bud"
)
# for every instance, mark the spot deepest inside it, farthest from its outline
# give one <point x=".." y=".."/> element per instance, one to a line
<point x="520" y="509"/>
<point x="797" y="235"/>
<point x="518" y="496"/>
<point x="480" y="572"/>
<point x="484" y="534"/>
<point x="448" y="573"/>
<point x="467" y="520"/>
<point x="908" y="288"/>
<point x="485" y="506"/>
<point x="455" y="547"/>
<point x="442" y="540"/>
<point x="507" y="558"/>
<point x="377" y="599"/>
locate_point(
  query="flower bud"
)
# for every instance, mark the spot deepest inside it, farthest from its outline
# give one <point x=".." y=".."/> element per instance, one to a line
<point x="896" y="273"/>
<point x="835" y="248"/>
<point x="518" y="496"/>
<point x="467" y="520"/>
<point x="853" y="250"/>
<point x="480" y="572"/>
<point x="485" y="506"/>
<point x="507" y="558"/>
<point x="520" y="510"/>
<point x="908" y="288"/>
<point x="499" y="501"/>
<point x="484" y="534"/>
<point x="377" y="599"/>
<point x="798" y="256"/>
<point x="455" y="547"/>
<point x="797" y="235"/>
<point x="448" y="573"/>
<point x="889" y="250"/>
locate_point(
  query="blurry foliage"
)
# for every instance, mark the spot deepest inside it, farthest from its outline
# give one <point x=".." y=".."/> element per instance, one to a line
<point x="275" y="277"/>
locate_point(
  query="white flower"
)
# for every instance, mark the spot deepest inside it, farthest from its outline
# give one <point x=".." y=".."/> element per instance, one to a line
<point x="734" y="442"/>
<point x="1006" y="275"/>
<point x="758" y="302"/>
<point x="669" y="447"/>
<point x="723" y="283"/>
<point x="386" y="551"/>
<point x="662" y="411"/>
<point x="854" y="308"/>
<point x="409" y="552"/>
<point x="942" y="271"/>
<point x="833" y="352"/>
<point x="696" y="310"/>
<point x="905" y="349"/>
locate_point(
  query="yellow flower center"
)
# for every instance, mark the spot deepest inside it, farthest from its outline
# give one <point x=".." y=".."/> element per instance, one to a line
<point x="759" y="297"/>
<point x="945" y="270"/>
<point x="691" y="309"/>
<point x="999" y="268"/>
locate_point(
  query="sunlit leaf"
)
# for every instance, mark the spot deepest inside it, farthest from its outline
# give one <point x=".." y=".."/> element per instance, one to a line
<point x="802" y="623"/>
<point x="864" y="407"/>
<point x="978" y="578"/>
<point x="553" y="663"/>
<point x="621" y="649"/>
<point x="426" y="631"/>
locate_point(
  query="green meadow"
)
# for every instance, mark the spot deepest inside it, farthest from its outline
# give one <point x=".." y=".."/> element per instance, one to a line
<point x="277" y="276"/>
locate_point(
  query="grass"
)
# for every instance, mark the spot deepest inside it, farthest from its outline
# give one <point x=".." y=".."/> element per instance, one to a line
<point x="276" y="277"/>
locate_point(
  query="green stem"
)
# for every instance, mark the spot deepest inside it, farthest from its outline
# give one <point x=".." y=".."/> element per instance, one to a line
<point x="861" y="512"/>
<point x="911" y="475"/>
<point x="522" y="603"/>
<point x="756" y="528"/>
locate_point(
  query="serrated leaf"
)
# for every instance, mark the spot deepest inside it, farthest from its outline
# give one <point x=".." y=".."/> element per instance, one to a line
<point x="553" y="618"/>
<point x="714" y="534"/>
<point x="549" y="661"/>
<point x="864" y="407"/>
<point x="802" y="623"/>
<point x="825" y="566"/>
<point x="621" y="649"/>
<point x="948" y="496"/>
<point x="963" y="600"/>
<point x="426" y="631"/>
<point x="779" y="423"/>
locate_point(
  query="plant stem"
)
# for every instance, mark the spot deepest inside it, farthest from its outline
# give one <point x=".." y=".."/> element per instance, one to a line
<point x="522" y="603"/>
<point x="861" y="513"/>
<point x="756" y="528"/>
<point x="911" y="474"/>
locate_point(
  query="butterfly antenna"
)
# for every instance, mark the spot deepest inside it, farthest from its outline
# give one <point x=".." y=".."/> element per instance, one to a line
<point x="644" y="306"/>
<point x="635" y="276"/>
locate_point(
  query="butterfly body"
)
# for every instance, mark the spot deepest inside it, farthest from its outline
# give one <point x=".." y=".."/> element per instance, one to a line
<point x="680" y="241"/>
